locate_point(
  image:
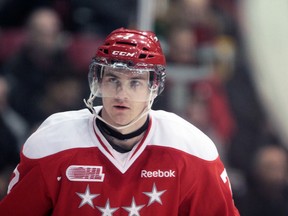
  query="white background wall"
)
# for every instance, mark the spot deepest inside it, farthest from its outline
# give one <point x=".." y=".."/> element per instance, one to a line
<point x="265" y="28"/>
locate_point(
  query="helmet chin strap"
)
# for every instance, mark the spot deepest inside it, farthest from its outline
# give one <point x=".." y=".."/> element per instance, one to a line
<point x="146" y="110"/>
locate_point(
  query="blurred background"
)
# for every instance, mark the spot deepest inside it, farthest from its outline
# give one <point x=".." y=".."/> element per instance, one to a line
<point x="226" y="74"/>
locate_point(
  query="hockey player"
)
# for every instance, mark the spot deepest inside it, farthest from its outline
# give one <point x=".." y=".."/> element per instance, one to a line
<point x="121" y="158"/>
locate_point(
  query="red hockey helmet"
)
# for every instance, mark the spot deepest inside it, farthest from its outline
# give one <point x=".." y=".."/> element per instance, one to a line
<point x="132" y="45"/>
<point x="137" y="50"/>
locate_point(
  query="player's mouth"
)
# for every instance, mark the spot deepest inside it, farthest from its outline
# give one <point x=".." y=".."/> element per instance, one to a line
<point x="120" y="107"/>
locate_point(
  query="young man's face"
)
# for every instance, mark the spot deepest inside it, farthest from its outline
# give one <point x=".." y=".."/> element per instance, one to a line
<point x="125" y="94"/>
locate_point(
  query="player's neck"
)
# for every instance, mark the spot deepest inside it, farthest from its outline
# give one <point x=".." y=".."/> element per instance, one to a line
<point x="122" y="142"/>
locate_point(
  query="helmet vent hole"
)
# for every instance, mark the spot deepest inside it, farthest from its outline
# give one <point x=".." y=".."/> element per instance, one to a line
<point x="126" y="43"/>
<point x="142" y="56"/>
<point x="145" y="49"/>
<point x="106" y="51"/>
<point x="150" y="56"/>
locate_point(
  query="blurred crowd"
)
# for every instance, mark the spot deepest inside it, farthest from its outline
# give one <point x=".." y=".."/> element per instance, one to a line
<point x="45" y="50"/>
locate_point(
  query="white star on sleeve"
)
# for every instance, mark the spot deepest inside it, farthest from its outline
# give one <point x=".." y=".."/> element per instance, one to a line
<point x="133" y="209"/>
<point x="107" y="211"/>
<point x="87" y="197"/>
<point x="154" y="195"/>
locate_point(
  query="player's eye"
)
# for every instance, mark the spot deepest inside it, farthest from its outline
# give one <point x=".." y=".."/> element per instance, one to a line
<point x="135" y="83"/>
<point x="112" y="80"/>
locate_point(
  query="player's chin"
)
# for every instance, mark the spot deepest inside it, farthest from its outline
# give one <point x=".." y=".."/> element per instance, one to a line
<point x="122" y="119"/>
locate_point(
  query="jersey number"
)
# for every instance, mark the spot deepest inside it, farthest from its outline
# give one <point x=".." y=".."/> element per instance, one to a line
<point x="224" y="177"/>
<point x="14" y="180"/>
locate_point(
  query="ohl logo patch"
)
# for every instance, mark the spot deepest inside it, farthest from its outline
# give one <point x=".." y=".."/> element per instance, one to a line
<point x="85" y="173"/>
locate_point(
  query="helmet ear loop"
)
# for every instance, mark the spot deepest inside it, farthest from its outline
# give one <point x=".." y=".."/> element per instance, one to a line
<point x="89" y="103"/>
<point x="94" y="88"/>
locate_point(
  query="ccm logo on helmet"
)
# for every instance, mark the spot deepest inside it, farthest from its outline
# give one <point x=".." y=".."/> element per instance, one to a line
<point x="158" y="174"/>
<point x="122" y="53"/>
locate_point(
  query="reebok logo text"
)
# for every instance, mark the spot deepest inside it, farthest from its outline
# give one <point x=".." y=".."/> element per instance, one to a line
<point x="158" y="174"/>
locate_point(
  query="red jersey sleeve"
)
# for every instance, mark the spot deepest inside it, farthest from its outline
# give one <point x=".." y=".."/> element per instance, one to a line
<point x="210" y="194"/>
<point x="27" y="180"/>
